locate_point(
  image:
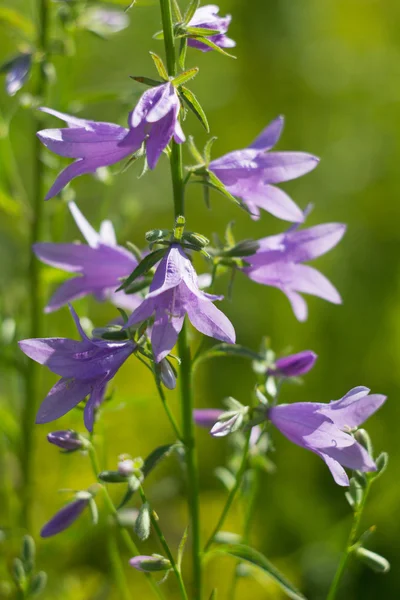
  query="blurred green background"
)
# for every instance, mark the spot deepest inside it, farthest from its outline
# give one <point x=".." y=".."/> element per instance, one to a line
<point x="332" y="67"/>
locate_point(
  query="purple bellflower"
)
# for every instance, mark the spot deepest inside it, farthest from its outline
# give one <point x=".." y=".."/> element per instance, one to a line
<point x="100" y="265"/>
<point x="206" y="17"/>
<point x="294" y="365"/>
<point x="66" y="516"/>
<point x="325" y="429"/>
<point x="173" y="293"/>
<point x="93" y="144"/>
<point x="278" y="262"/>
<point x="85" y="367"/>
<point x="66" y="439"/>
<point x="250" y="173"/>
<point x="17" y="72"/>
<point x="155" y="121"/>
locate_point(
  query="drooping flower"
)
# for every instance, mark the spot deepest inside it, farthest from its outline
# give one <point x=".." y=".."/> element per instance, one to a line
<point x="17" y="72"/>
<point x="100" y="265"/>
<point x="174" y="292"/>
<point x="66" y="439"/>
<point x="155" y="121"/>
<point x="294" y="365"/>
<point x="67" y="515"/>
<point x="206" y="17"/>
<point x="325" y="429"/>
<point x="278" y="262"/>
<point x="250" y="173"/>
<point x="93" y="144"/>
<point x="150" y="564"/>
<point x="85" y="367"/>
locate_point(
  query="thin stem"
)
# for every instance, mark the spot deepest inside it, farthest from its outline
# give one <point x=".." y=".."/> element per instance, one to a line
<point x="117" y="567"/>
<point x="164" y="544"/>
<point x="350" y="544"/>
<point x="183" y="345"/>
<point x="128" y="541"/>
<point x="29" y="410"/>
<point x="232" y="493"/>
<point x="169" y="414"/>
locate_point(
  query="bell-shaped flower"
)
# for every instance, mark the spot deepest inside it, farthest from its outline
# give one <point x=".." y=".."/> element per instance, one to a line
<point x="85" y="368"/>
<point x="155" y="121"/>
<point x="206" y="17"/>
<point x="66" y="439"/>
<point x="249" y="174"/>
<point x="65" y="517"/>
<point x="294" y="365"/>
<point x="99" y="266"/>
<point x="93" y="144"/>
<point x="173" y="293"/>
<point x="279" y="262"/>
<point x="325" y="429"/>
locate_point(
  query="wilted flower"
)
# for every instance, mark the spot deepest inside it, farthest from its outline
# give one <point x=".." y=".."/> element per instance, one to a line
<point x="17" y="72"/>
<point x="294" y="365"/>
<point x="249" y="173"/>
<point x="155" y="121"/>
<point x="94" y="144"/>
<point x="150" y="563"/>
<point x="174" y="292"/>
<point x="278" y="262"/>
<point x="325" y="429"/>
<point x="67" y="515"/>
<point x="100" y="265"/>
<point x="206" y="17"/>
<point x="66" y="439"/>
<point x="85" y="368"/>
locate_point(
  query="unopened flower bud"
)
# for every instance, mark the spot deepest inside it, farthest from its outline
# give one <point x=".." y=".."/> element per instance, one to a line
<point x="150" y="563"/>
<point x="227" y="425"/>
<point x="295" y="365"/>
<point x="67" y="440"/>
<point x="38" y="583"/>
<point x="363" y="438"/>
<point x="126" y="467"/>
<point x="167" y="374"/>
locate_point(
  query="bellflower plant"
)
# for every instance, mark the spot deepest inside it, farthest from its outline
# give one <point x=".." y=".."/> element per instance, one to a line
<point x="174" y="293"/>
<point x="100" y="265"/>
<point x="85" y="367"/>
<point x="159" y="289"/>
<point x="250" y="174"/>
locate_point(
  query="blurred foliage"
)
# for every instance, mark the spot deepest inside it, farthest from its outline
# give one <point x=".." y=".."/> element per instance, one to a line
<point x="332" y="68"/>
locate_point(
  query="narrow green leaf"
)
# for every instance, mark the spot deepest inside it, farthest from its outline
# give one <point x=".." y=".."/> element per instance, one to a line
<point x="161" y="70"/>
<point x="182" y="52"/>
<point x="211" y="44"/>
<point x="231" y="350"/>
<point x="194" y="106"/>
<point x="191" y="9"/>
<point x="181" y="548"/>
<point x="177" y="10"/>
<point x="146" y="80"/>
<point x="207" y="149"/>
<point x="201" y="31"/>
<point x="143" y="267"/>
<point x="186" y="76"/>
<point x="11" y="17"/>
<point x="258" y="560"/>
<point x="215" y="183"/>
<point x="159" y="35"/>
<point x="194" y="151"/>
<point x="374" y="561"/>
<point x="229" y="235"/>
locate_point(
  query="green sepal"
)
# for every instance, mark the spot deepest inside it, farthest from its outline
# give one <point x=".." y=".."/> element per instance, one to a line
<point x="211" y="44"/>
<point x="143" y="267"/>
<point x="195" y="106"/>
<point x="185" y="76"/>
<point x="146" y="80"/>
<point x="161" y="70"/>
<point x="201" y="32"/>
<point x="191" y="9"/>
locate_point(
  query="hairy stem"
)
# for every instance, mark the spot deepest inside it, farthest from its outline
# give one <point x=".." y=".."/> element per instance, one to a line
<point x="232" y="493"/>
<point x="29" y="410"/>
<point x="183" y="345"/>
<point x="128" y="541"/>
<point x="350" y="544"/>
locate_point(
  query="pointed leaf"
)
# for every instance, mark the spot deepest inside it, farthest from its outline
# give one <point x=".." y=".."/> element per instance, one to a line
<point x="159" y="35"/>
<point x="186" y="76"/>
<point x="181" y="548"/>
<point x="230" y="350"/>
<point x="143" y="267"/>
<point x="191" y="9"/>
<point x="201" y="31"/>
<point x="177" y="10"/>
<point x="182" y="52"/>
<point x="194" y="106"/>
<point x="146" y="80"/>
<point x="211" y="44"/>
<point x="218" y="185"/>
<point x="207" y="148"/>
<point x="162" y="71"/>
<point x="258" y="560"/>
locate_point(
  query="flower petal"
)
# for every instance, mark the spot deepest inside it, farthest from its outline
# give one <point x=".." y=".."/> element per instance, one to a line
<point x="338" y="473"/>
<point x="62" y="398"/>
<point x="284" y="166"/>
<point x="270" y="135"/>
<point x="88" y="232"/>
<point x="276" y="202"/>
<point x="354" y="408"/>
<point x="68" y="257"/>
<point x="71" y="289"/>
<point x="164" y="334"/>
<point x="64" y="518"/>
<point x="94" y="401"/>
<point x="209" y="320"/>
<point x="206" y="417"/>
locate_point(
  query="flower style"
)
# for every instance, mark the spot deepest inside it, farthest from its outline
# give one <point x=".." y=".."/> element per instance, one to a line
<point x="206" y="17"/>
<point x="66" y="516"/>
<point x="155" y="121"/>
<point x="85" y="367"/>
<point x="100" y="265"/>
<point x="174" y="292"/>
<point x="278" y="262"/>
<point x="249" y="173"/>
<point x="325" y="429"/>
<point x="294" y="365"/>
<point x="93" y="144"/>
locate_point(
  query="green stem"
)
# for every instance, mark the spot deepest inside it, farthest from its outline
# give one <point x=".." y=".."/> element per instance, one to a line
<point x="350" y="544"/>
<point x="164" y="544"/>
<point x="169" y="414"/>
<point x="232" y="493"/>
<point x="29" y="410"/>
<point x="117" y="567"/>
<point x="183" y="345"/>
<point x="128" y="541"/>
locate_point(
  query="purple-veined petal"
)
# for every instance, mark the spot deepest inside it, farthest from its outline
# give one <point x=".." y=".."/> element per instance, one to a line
<point x="206" y="417"/>
<point x="159" y="137"/>
<point x="41" y="350"/>
<point x="95" y="399"/>
<point x="354" y="408"/>
<point x="284" y="166"/>
<point x="146" y="101"/>
<point x="164" y="334"/>
<point x="170" y="271"/>
<point x="298" y="304"/>
<point x="71" y="289"/>
<point x="122" y="300"/>
<point x="69" y="119"/>
<point x="68" y="257"/>
<point x="107" y="233"/>
<point x="64" y="518"/>
<point x="62" y="398"/>
<point x="354" y="456"/>
<point x="88" y="232"/>
<point x="270" y="135"/>
<point x="276" y="202"/>
<point x="165" y="103"/>
<point x="295" y="365"/>
<point x="143" y="312"/>
<point x="338" y="473"/>
<point x="209" y="320"/>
